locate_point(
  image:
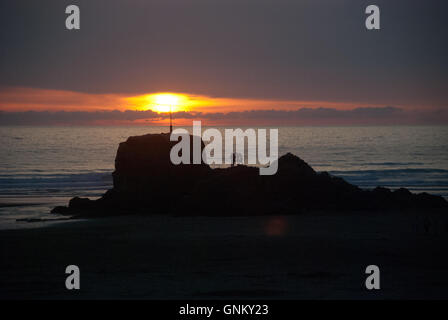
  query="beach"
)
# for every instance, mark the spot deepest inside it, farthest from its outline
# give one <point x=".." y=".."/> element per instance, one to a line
<point x="316" y="255"/>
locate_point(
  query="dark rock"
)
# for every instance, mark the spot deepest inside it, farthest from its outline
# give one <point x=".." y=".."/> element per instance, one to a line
<point x="79" y="203"/>
<point x="61" y="210"/>
<point x="145" y="181"/>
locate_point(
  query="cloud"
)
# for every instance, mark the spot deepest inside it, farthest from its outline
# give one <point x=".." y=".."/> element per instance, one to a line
<point x="387" y="115"/>
<point x="253" y="49"/>
<point x="73" y="117"/>
<point x="365" y="113"/>
<point x="22" y="98"/>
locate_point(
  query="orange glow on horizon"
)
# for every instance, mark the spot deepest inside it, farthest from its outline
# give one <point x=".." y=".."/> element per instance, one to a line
<point x="160" y="102"/>
<point x="25" y="99"/>
<point x="19" y="99"/>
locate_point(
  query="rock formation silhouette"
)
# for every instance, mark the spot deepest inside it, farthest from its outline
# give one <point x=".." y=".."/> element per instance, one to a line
<point x="146" y="182"/>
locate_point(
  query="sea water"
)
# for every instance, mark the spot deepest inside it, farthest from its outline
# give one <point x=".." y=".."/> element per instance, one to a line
<point x="41" y="167"/>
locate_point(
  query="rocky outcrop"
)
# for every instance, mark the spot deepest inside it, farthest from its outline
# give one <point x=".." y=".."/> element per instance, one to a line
<point x="145" y="181"/>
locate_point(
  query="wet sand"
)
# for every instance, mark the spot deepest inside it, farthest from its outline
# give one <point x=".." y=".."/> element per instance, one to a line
<point x="312" y="256"/>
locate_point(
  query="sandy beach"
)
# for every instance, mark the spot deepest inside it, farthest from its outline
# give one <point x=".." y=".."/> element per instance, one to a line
<point x="310" y="256"/>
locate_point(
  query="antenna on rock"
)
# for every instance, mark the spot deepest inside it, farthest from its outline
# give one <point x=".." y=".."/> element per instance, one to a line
<point x="171" y="121"/>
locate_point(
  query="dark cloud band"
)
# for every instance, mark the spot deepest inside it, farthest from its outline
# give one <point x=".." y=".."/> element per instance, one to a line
<point x="302" y="116"/>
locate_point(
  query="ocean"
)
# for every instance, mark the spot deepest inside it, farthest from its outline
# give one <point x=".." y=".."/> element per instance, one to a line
<point x="41" y="167"/>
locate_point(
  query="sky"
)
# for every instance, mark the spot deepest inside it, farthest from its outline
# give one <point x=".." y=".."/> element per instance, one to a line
<point x="306" y="62"/>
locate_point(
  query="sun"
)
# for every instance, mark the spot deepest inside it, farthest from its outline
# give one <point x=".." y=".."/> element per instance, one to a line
<point x="163" y="102"/>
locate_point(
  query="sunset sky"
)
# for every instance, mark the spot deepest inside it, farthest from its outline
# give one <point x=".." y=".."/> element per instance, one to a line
<point x="225" y="62"/>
